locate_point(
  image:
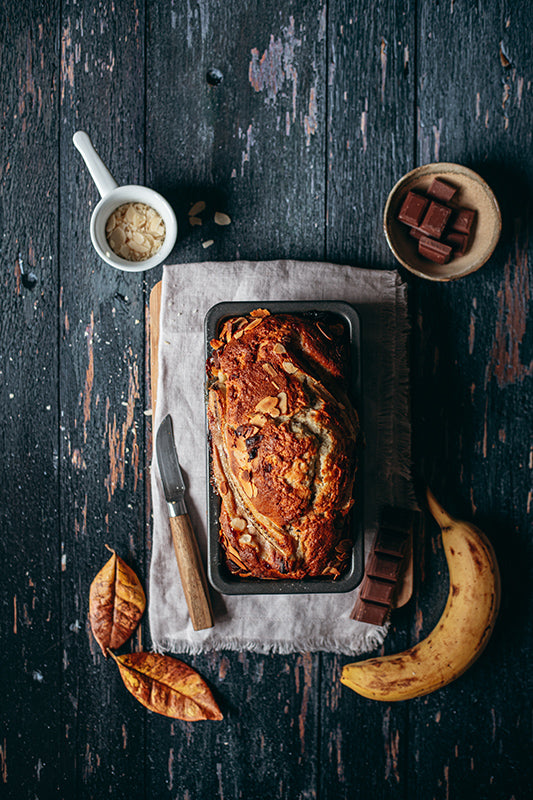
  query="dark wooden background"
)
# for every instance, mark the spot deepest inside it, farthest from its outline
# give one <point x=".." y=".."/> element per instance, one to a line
<point x="322" y="106"/>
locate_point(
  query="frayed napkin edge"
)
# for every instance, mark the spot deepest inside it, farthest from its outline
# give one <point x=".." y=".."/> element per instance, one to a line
<point x="366" y="642"/>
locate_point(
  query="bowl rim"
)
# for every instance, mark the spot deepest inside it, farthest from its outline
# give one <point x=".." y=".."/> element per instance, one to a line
<point x="446" y="167"/>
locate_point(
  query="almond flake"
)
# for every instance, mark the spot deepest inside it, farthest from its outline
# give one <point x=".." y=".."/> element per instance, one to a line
<point x="195" y="221"/>
<point x="260" y="312"/>
<point x="267" y="404"/>
<point x="279" y="349"/>
<point x="238" y="523"/>
<point x="245" y="539"/>
<point x="197" y="208"/>
<point x="269" y="369"/>
<point x="222" y="219"/>
<point x="258" y="419"/>
<point x="208" y="243"/>
<point x="282" y="397"/>
<point x="247" y="486"/>
<point x="253" y="324"/>
<point x="216" y="344"/>
<point x="290" y="368"/>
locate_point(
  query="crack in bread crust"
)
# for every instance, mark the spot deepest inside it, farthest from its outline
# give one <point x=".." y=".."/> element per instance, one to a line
<point x="283" y="440"/>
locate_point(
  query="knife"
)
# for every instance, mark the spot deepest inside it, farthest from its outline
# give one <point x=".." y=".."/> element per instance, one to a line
<point x="190" y="566"/>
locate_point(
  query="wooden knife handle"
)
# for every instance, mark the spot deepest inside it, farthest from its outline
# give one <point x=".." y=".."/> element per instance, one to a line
<point x="192" y="573"/>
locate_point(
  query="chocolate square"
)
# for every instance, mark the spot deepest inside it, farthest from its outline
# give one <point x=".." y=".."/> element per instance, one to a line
<point x="373" y="613"/>
<point x="441" y="190"/>
<point x="377" y="591"/>
<point x="434" y="251"/>
<point x="380" y="565"/>
<point x="458" y="241"/>
<point x="413" y="208"/>
<point x="435" y="219"/>
<point x="463" y="220"/>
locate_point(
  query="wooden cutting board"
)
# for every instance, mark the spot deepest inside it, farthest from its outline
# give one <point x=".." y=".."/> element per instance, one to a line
<point x="406" y="588"/>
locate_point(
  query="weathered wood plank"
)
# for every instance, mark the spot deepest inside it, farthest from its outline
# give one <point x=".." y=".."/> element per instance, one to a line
<point x="251" y="146"/>
<point x="371" y="130"/>
<point x="102" y="392"/>
<point x="371" y="51"/>
<point x="473" y="357"/>
<point x="29" y="543"/>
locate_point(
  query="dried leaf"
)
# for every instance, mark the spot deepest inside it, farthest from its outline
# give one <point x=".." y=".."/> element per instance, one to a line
<point x="116" y="604"/>
<point x="167" y="686"/>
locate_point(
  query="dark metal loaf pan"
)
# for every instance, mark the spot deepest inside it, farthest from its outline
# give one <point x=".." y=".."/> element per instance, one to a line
<point x="219" y="575"/>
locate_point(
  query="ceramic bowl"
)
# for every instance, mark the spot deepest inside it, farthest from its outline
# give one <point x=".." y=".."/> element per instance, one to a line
<point x="472" y="192"/>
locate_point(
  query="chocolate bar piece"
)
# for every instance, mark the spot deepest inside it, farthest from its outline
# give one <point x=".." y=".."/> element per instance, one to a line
<point x="413" y="208"/>
<point x="416" y="233"/>
<point x="458" y="241"/>
<point x="384" y="567"/>
<point x="435" y="251"/>
<point x="376" y="591"/>
<point x="463" y="220"/>
<point x="435" y="219"/>
<point x="380" y="565"/>
<point x="367" y="611"/>
<point x="441" y="190"/>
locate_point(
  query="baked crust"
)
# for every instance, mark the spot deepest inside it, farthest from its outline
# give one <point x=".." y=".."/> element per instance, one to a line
<point x="283" y="445"/>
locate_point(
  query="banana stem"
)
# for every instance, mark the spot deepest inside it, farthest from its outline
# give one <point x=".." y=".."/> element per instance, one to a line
<point x="442" y="518"/>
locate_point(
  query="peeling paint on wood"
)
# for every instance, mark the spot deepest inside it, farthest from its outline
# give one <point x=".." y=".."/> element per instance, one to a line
<point x="513" y="304"/>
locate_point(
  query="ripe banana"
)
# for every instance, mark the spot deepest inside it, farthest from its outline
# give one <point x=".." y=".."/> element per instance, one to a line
<point x="461" y="633"/>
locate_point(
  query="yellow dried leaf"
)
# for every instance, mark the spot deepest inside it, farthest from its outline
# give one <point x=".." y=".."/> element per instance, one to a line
<point x="167" y="686"/>
<point x="116" y="604"/>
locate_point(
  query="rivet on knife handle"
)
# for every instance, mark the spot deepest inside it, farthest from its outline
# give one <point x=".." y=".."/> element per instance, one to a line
<point x="192" y="573"/>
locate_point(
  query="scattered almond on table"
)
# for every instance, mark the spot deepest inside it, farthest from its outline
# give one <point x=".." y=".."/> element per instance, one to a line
<point x="222" y="219"/>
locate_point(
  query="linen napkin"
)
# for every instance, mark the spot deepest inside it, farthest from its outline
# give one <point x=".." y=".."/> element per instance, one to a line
<point x="267" y="623"/>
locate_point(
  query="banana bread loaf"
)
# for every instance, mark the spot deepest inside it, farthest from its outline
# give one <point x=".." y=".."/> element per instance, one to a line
<point x="283" y="445"/>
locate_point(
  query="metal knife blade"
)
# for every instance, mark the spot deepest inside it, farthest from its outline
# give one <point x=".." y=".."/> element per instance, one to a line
<point x="169" y="468"/>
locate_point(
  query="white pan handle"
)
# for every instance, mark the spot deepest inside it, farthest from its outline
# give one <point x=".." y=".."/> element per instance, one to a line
<point x="100" y="174"/>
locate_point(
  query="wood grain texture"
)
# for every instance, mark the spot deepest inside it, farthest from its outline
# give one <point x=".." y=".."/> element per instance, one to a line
<point x="30" y="730"/>
<point x="472" y="384"/>
<point x="101" y="388"/>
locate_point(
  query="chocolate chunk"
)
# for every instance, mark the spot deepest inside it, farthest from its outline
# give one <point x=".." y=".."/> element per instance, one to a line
<point x="380" y="565"/>
<point x="373" y="613"/>
<point x="458" y="241"/>
<point x="435" y="251"/>
<point x="413" y="208"/>
<point x="377" y="591"/>
<point x="435" y="219"/>
<point x="442" y="190"/>
<point x="463" y="220"/>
